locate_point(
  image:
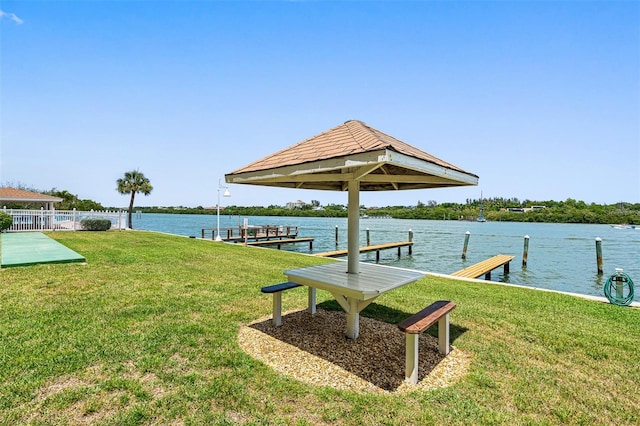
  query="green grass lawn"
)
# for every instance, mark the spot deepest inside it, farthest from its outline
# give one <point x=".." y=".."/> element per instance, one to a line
<point x="146" y="333"/>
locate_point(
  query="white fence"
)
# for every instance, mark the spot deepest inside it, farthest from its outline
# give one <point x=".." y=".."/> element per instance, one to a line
<point x="60" y="220"/>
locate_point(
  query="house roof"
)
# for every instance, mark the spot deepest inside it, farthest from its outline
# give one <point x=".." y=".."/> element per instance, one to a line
<point x="352" y="151"/>
<point x="14" y="194"/>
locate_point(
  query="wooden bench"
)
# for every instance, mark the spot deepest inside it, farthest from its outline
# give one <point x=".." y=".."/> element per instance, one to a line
<point x="277" y="290"/>
<point x="485" y="267"/>
<point x="416" y="324"/>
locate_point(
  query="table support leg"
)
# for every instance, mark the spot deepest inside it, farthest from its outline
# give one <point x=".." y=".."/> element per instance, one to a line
<point x="353" y="319"/>
<point x="411" y="351"/>
<point x="277" y="308"/>
<point x="312" y="300"/>
<point x="443" y="334"/>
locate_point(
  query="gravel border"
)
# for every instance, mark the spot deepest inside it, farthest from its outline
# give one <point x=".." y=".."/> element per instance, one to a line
<point x="315" y="350"/>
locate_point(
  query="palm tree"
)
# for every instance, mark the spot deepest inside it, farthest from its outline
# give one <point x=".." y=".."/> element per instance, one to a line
<point x="68" y="199"/>
<point x="132" y="183"/>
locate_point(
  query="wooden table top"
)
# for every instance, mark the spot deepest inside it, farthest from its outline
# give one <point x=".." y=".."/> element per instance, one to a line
<point x="372" y="281"/>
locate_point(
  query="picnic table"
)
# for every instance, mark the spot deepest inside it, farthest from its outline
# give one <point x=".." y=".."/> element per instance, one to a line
<point x="353" y="292"/>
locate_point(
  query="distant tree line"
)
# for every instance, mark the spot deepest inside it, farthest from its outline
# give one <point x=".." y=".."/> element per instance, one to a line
<point x="307" y="210"/>
<point x="513" y="210"/>
<point x="494" y="209"/>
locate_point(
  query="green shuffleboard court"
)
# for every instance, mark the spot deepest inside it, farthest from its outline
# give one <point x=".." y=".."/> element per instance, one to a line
<point x="30" y="248"/>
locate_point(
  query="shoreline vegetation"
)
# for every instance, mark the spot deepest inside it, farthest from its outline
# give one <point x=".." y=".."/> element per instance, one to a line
<point x="494" y="209"/>
<point x="148" y="332"/>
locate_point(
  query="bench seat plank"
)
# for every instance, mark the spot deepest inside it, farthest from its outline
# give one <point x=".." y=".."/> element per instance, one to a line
<point x="279" y="287"/>
<point x="424" y="319"/>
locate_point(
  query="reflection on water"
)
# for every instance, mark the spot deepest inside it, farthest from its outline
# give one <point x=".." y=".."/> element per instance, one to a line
<point x="561" y="256"/>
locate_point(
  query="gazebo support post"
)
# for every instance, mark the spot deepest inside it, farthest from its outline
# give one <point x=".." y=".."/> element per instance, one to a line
<point x="353" y="239"/>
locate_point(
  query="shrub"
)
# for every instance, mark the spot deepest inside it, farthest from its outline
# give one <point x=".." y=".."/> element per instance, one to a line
<point x="6" y="220"/>
<point x="95" y="224"/>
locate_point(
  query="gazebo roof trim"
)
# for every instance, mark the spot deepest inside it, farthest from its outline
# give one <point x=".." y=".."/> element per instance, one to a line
<point x="352" y="151"/>
<point x="14" y="194"/>
<point x="351" y="138"/>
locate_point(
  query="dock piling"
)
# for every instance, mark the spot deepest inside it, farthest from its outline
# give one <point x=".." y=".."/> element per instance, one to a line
<point x="411" y="241"/>
<point x="525" y="253"/>
<point x="368" y="239"/>
<point x="599" y="255"/>
<point x="466" y="243"/>
<point x="336" y="236"/>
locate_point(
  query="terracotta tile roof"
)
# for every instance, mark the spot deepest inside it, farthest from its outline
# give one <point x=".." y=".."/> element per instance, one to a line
<point x="13" y="194"/>
<point x="352" y="137"/>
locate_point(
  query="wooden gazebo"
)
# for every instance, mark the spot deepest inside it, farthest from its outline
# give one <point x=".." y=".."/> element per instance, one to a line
<point x="14" y="195"/>
<point x="352" y="157"/>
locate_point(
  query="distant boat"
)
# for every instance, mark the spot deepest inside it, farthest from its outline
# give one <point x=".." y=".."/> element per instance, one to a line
<point x="481" y="217"/>
<point x="623" y="226"/>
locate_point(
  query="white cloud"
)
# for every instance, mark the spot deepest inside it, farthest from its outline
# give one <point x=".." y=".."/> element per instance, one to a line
<point x="11" y="16"/>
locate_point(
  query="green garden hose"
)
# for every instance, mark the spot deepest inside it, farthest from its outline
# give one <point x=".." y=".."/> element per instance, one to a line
<point x="615" y="287"/>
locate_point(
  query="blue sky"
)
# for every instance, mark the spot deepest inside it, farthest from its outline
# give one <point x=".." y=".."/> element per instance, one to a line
<point x="539" y="99"/>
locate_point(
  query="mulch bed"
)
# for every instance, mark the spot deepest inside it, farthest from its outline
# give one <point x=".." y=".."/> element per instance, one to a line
<point x="315" y="350"/>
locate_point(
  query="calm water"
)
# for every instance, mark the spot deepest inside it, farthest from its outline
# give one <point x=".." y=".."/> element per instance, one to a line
<point x="561" y="256"/>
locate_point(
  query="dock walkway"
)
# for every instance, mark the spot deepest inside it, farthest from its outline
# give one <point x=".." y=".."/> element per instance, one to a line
<point x="254" y="233"/>
<point x="282" y="241"/>
<point x="377" y="248"/>
<point x="485" y="267"/>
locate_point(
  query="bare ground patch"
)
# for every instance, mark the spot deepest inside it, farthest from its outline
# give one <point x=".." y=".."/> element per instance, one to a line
<point x="87" y="397"/>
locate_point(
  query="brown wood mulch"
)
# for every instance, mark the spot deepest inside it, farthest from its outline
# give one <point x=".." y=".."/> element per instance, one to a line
<point x="314" y="349"/>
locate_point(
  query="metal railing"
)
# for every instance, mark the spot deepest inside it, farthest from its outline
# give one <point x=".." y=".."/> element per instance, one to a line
<point x="60" y="220"/>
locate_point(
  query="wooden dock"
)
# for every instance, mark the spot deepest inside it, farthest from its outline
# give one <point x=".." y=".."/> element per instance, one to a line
<point x="377" y="248"/>
<point x="485" y="267"/>
<point x="254" y="233"/>
<point x="282" y="241"/>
